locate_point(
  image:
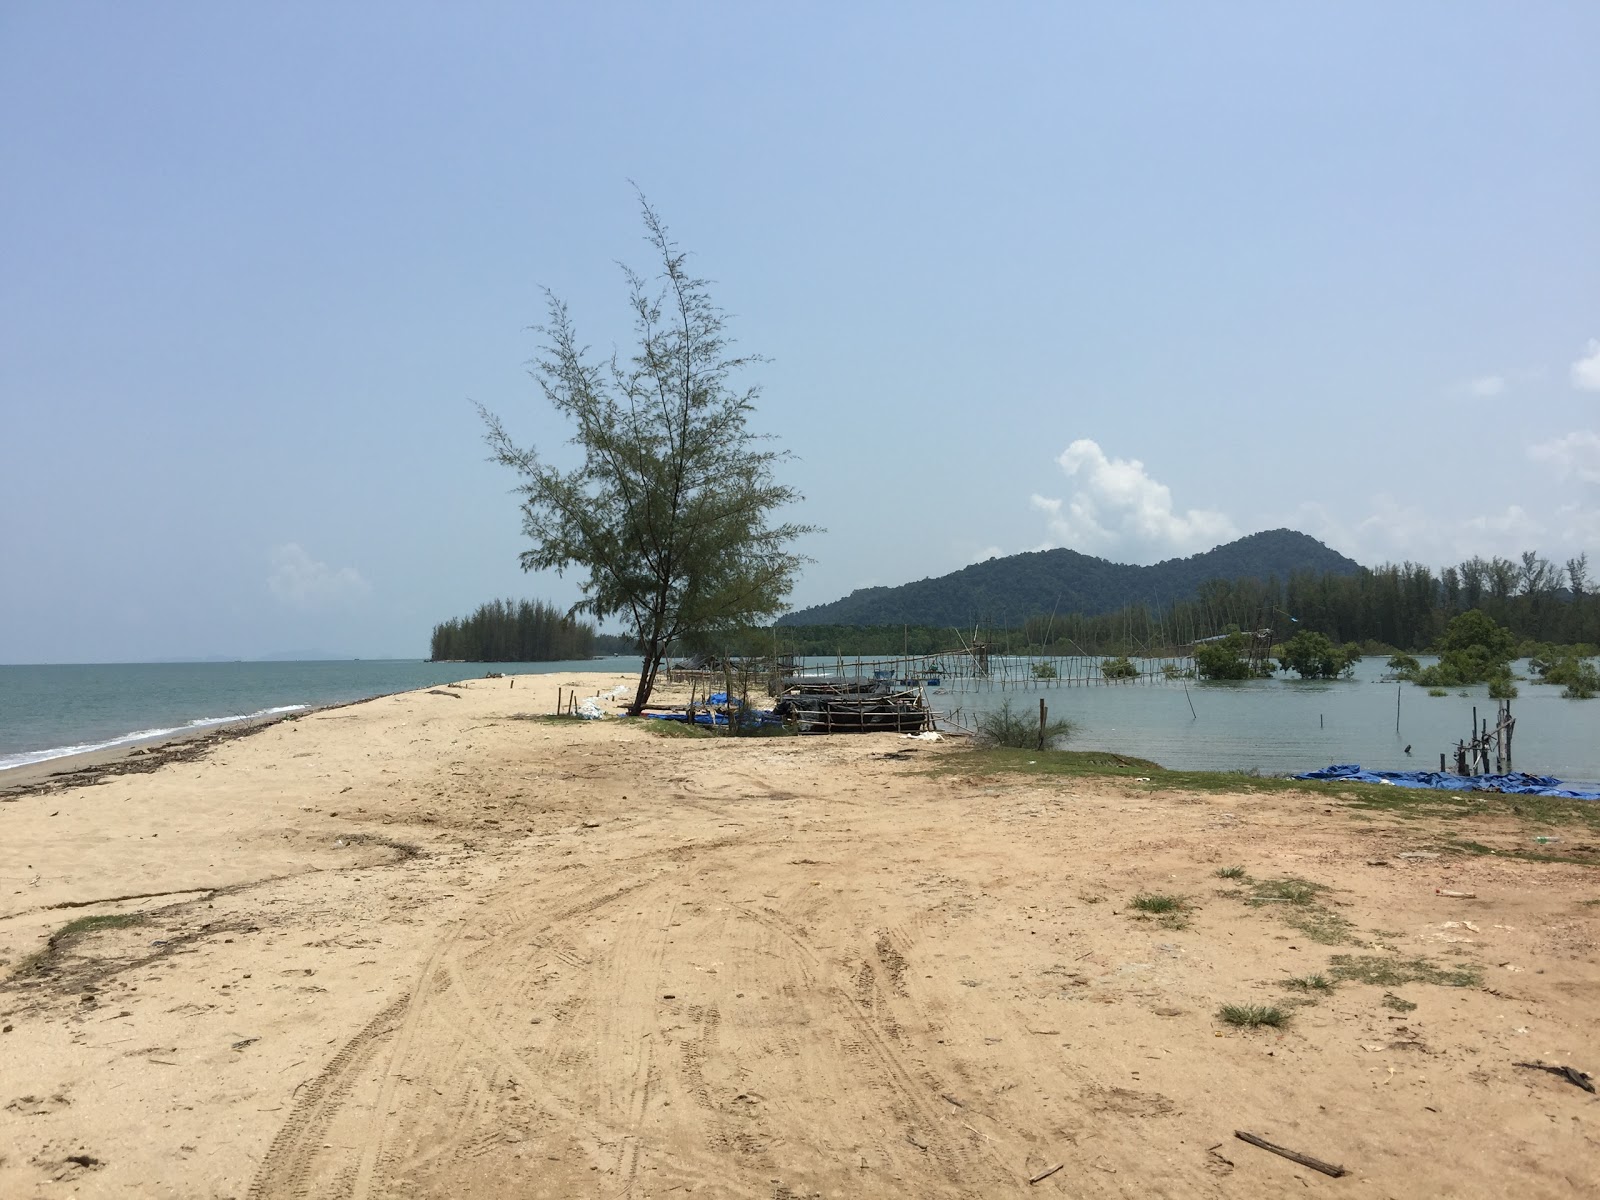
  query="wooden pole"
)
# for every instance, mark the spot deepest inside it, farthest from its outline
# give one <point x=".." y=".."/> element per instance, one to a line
<point x="1042" y="712"/>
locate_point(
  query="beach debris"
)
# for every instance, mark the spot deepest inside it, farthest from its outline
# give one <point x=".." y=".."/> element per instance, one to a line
<point x="442" y="692"/>
<point x="1045" y="1174"/>
<point x="1455" y="895"/>
<point x="1418" y="854"/>
<point x="1572" y="1075"/>
<point x="1305" y="1160"/>
<point x="243" y="1042"/>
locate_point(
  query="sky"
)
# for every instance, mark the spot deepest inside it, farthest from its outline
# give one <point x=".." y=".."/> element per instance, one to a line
<point x="1131" y="279"/>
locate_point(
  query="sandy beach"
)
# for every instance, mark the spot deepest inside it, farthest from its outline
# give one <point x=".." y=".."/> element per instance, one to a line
<point x="433" y="945"/>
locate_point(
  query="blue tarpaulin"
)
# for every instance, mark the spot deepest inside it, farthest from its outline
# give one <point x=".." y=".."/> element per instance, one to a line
<point x="1515" y="783"/>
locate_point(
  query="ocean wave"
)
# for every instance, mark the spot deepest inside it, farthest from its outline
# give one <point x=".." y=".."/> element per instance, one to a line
<point x="27" y="758"/>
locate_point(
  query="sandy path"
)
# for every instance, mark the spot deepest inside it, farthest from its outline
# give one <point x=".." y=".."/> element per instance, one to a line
<point x="622" y="965"/>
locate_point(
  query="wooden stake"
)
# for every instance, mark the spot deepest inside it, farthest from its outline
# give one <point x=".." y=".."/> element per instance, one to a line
<point x="1305" y="1160"/>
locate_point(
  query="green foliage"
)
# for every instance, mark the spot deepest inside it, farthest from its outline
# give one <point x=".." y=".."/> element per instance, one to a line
<point x="1473" y="649"/>
<point x="512" y="631"/>
<point x="1044" y="670"/>
<point x="1569" y="666"/>
<point x="1404" y="666"/>
<point x="668" y="515"/>
<point x="1005" y="726"/>
<point x="1312" y="656"/>
<point x="1225" y="658"/>
<point x="1119" y="668"/>
<point x="1250" y="1016"/>
<point x="1501" y="688"/>
<point x="1155" y="903"/>
<point x="1062" y="603"/>
<point x="1231" y="873"/>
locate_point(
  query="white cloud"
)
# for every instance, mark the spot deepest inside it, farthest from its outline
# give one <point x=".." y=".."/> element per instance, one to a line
<point x="1573" y="454"/>
<point x="1394" y="532"/>
<point x="1487" y="385"/>
<point x="1586" y="371"/>
<point x="1117" y="505"/>
<point x="302" y="582"/>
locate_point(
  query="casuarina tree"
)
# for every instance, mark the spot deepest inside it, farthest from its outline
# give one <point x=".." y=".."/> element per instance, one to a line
<point x="672" y="515"/>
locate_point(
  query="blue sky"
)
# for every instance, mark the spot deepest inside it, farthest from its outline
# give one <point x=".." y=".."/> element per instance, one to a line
<point x="1129" y="278"/>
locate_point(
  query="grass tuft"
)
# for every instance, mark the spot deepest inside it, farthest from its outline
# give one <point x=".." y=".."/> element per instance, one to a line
<point x="43" y="960"/>
<point x="1250" y="1016"/>
<point x="1231" y="873"/>
<point x="1310" y="983"/>
<point x="1156" y="904"/>
<point x="1394" y="972"/>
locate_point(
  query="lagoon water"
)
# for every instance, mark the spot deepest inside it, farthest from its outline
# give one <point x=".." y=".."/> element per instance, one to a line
<point x="1273" y="726"/>
<point x="1283" y="725"/>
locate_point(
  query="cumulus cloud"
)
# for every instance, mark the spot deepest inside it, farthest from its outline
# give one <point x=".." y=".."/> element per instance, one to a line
<point x="1116" y="504"/>
<point x="1586" y="371"/>
<point x="1573" y="454"/>
<point x="1487" y="385"/>
<point x="302" y="582"/>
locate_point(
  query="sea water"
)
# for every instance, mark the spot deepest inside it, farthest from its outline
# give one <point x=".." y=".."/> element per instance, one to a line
<point x="51" y="711"/>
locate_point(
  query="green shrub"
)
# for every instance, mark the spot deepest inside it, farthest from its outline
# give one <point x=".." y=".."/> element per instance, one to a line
<point x="1227" y="658"/>
<point x="1313" y="656"/>
<point x="1473" y="650"/>
<point x="1403" y="666"/>
<point x="1005" y="726"/>
<point x="1044" y="670"/>
<point x="1119" y="668"/>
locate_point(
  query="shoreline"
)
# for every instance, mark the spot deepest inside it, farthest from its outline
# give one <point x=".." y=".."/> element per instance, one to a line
<point x="482" y="951"/>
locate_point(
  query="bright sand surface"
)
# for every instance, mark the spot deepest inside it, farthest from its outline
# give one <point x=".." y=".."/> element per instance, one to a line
<point x="418" y="947"/>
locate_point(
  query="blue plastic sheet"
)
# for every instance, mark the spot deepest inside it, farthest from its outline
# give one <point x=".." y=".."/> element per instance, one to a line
<point x="1516" y="783"/>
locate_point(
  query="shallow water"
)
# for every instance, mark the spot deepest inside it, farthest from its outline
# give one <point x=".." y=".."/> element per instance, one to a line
<point x="1282" y="725"/>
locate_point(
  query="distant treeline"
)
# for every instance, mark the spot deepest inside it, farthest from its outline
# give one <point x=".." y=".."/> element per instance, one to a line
<point x="1393" y="607"/>
<point x="521" y="631"/>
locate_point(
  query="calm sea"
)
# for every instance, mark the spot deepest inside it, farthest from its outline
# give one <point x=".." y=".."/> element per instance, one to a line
<point x="50" y="711"/>
<point x="1274" y="726"/>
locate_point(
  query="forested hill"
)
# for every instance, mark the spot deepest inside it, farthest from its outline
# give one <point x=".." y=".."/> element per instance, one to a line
<point x="1007" y="591"/>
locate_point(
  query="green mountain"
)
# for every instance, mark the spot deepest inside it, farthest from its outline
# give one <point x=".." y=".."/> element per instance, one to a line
<point x="1004" y="592"/>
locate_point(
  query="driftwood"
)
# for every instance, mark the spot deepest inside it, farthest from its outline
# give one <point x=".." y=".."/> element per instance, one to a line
<point x="1046" y="1173"/>
<point x="1305" y="1160"/>
<point x="1571" y="1074"/>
